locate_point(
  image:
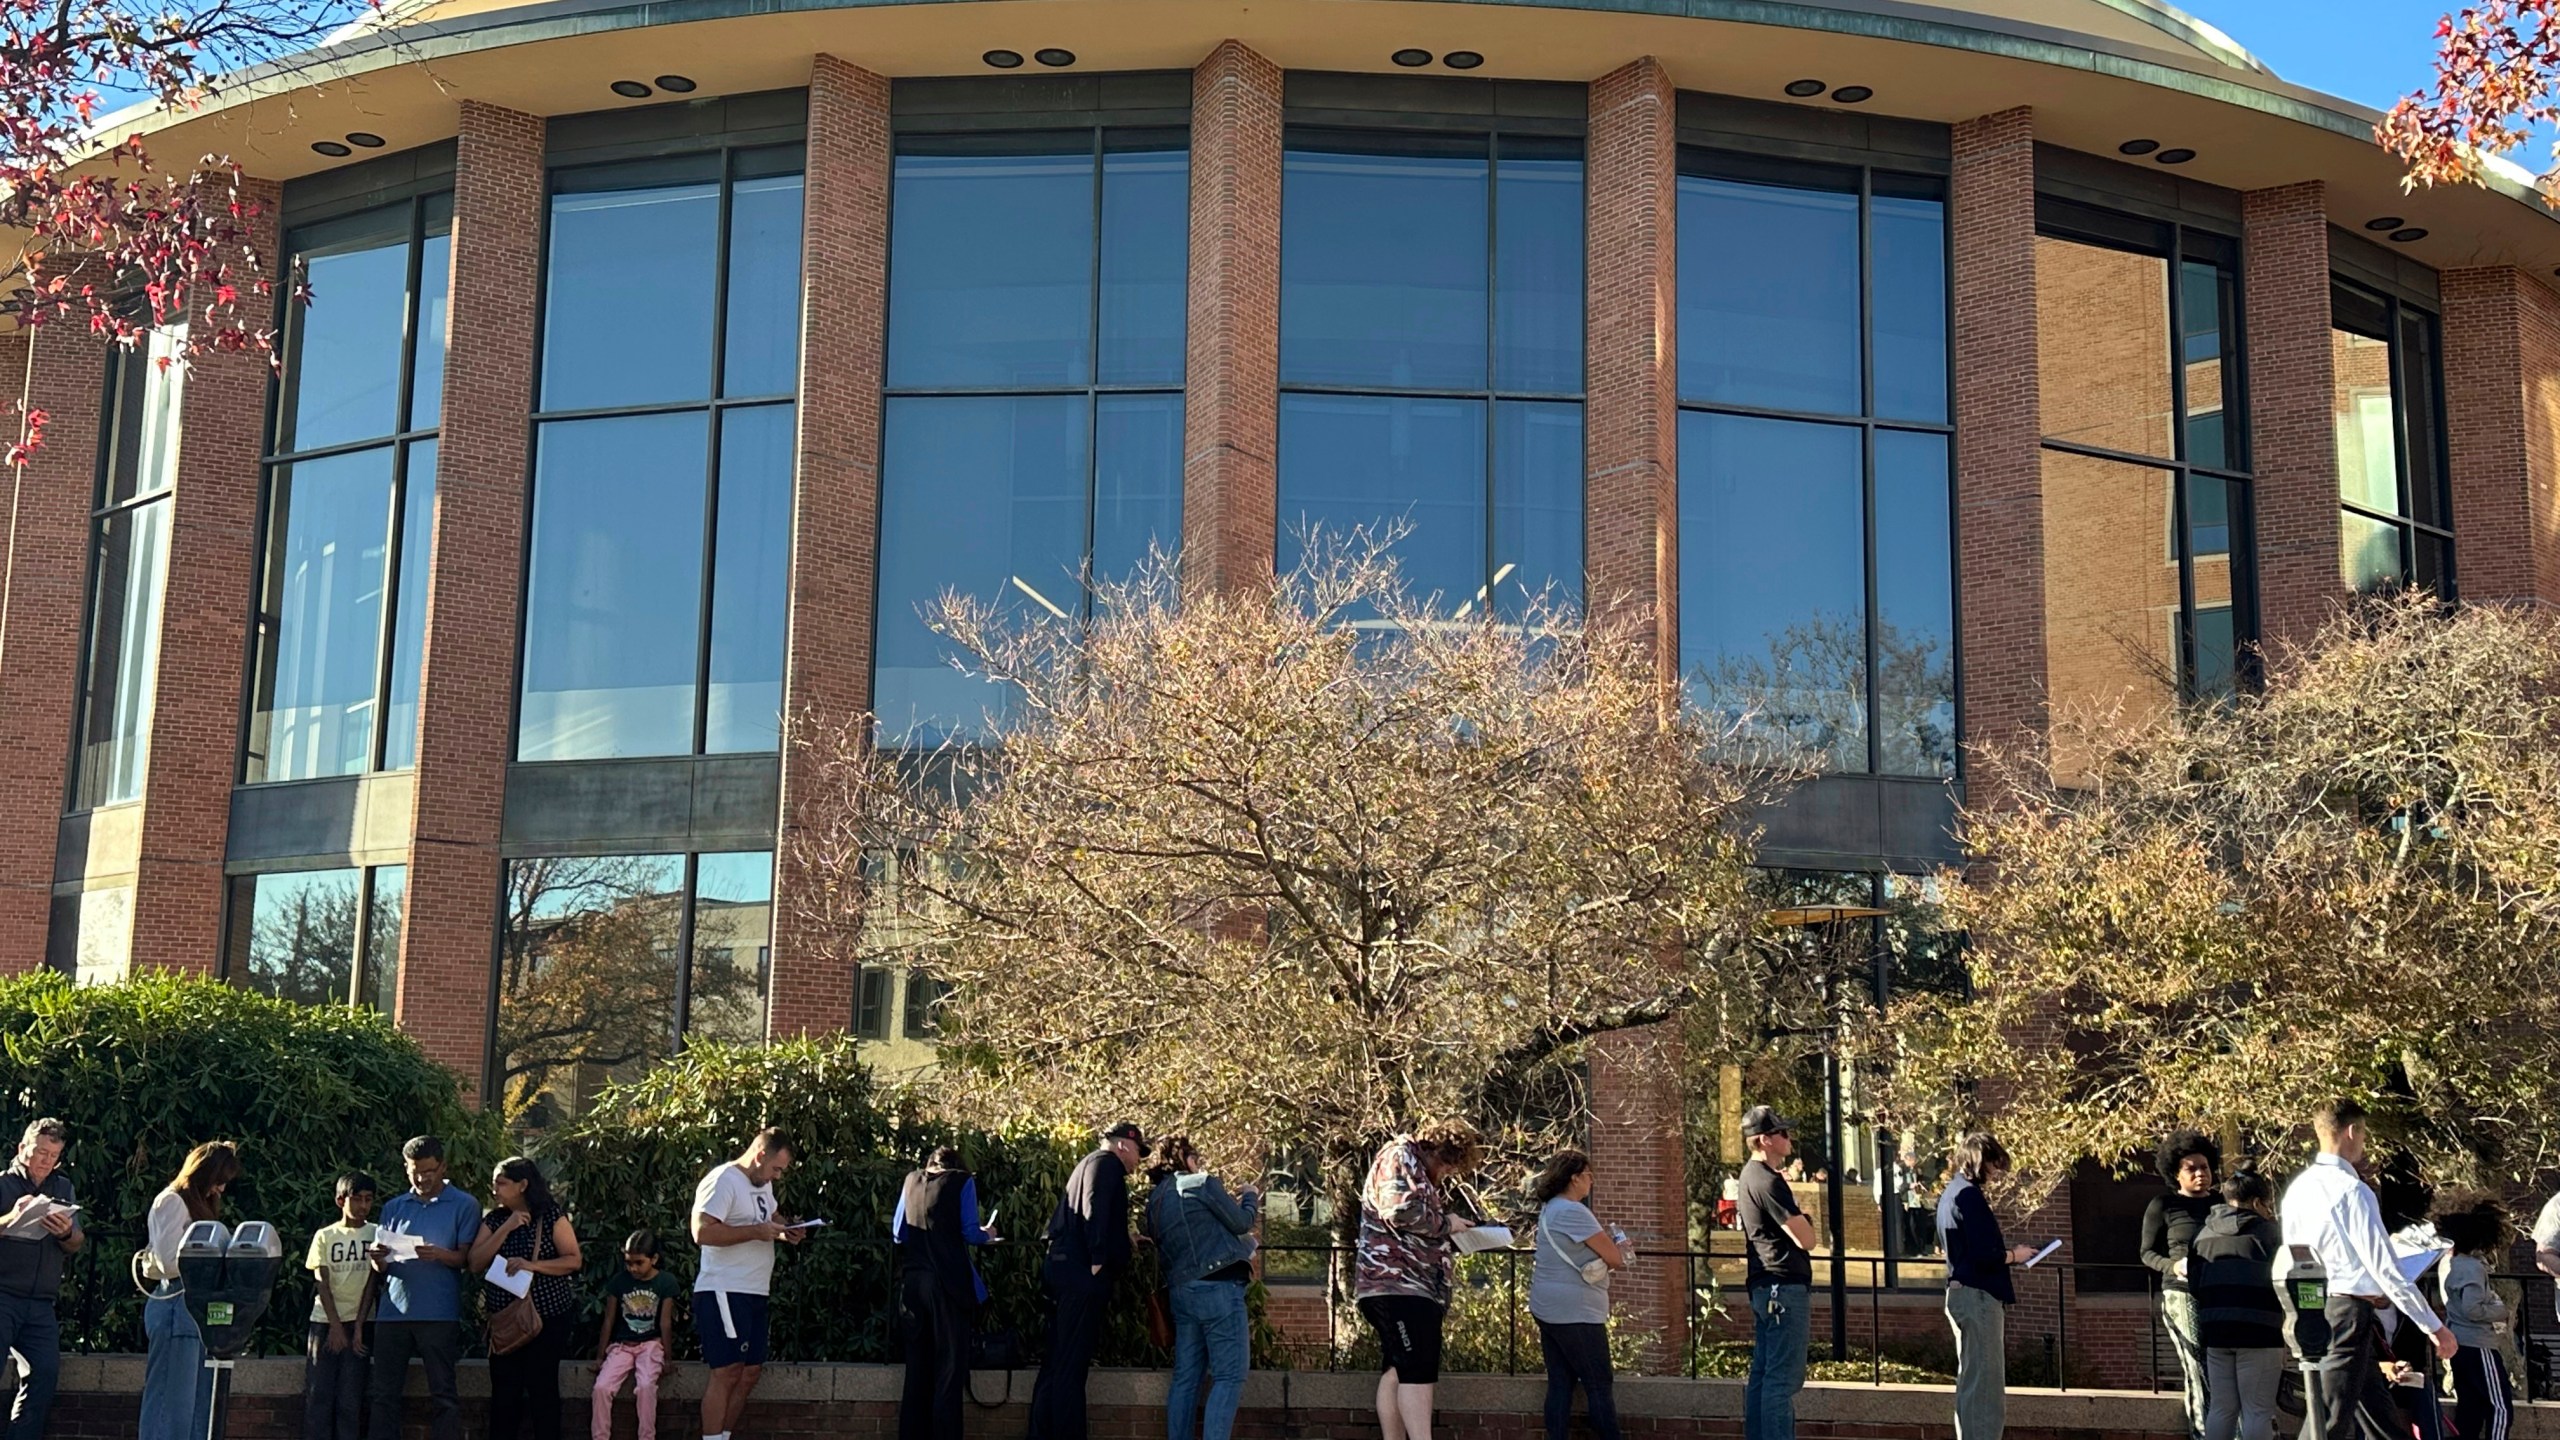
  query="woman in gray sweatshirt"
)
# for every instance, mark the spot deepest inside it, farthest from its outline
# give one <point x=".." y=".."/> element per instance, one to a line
<point x="2477" y="1316"/>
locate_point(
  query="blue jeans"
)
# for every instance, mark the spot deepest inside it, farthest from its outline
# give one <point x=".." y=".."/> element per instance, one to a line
<point x="29" y="1330"/>
<point x="1210" y="1338"/>
<point x="177" y="1391"/>
<point x="1781" y="1326"/>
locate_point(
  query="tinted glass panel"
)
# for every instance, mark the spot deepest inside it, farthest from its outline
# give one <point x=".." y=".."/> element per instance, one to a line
<point x="1146" y="253"/>
<point x="1137" y="481"/>
<point x="1383" y="264"/>
<point x="2204" y="295"/>
<point x="130" y="565"/>
<point x="328" y="562"/>
<point x="146" y="394"/>
<point x="2219" y="581"/>
<point x="1773" y="592"/>
<point x="2102" y="349"/>
<point x="297" y="937"/>
<point x="732" y="947"/>
<point x="1768" y="296"/>
<point x="1909" y="287"/>
<point x="750" y="580"/>
<point x="2369" y="555"/>
<point x="587" y="972"/>
<point x="614" y="588"/>
<point x="1537" y="506"/>
<point x="1016" y="467"/>
<point x="380" y="985"/>
<point x="2421" y="425"/>
<point x="993" y="284"/>
<point x="2368" y="435"/>
<point x="435" y="315"/>
<point x="628" y="297"/>
<point x="1373" y="462"/>
<point x="1537" y="293"/>
<point x="409" y="618"/>
<point x="2111" y="589"/>
<point x="342" y="380"/>
<point x="760" y="351"/>
<point x="1915" y="641"/>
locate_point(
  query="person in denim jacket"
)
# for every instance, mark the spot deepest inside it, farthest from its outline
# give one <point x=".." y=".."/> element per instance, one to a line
<point x="1204" y="1246"/>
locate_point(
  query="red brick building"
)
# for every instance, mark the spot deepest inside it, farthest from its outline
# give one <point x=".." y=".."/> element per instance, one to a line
<point x="1918" y="371"/>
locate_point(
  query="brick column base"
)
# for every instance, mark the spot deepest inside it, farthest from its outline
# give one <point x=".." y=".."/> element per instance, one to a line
<point x="1639" y="1167"/>
<point x="2285" y="249"/>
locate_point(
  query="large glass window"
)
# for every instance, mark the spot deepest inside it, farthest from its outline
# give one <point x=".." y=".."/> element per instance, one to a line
<point x="1431" y="358"/>
<point x="322" y="937"/>
<point x="1034" y="430"/>
<point x="128" y="569"/>
<point x="2146" y="497"/>
<point x="656" y="588"/>
<point x="351" y="482"/>
<point x="1816" y="543"/>
<point x="610" y="963"/>
<point x="2397" y="525"/>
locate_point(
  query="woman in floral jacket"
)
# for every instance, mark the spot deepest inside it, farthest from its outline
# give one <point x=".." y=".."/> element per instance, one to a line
<point x="1407" y="1265"/>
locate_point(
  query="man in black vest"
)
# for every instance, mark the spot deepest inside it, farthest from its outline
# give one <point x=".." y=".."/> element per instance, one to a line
<point x="1088" y="1251"/>
<point x="936" y="1223"/>
<point x="39" y="1232"/>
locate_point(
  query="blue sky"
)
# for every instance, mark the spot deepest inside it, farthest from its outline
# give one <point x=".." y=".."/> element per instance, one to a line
<point x="2373" y="51"/>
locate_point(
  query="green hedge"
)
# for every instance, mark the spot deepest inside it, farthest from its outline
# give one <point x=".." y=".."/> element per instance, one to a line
<point x="144" y="1070"/>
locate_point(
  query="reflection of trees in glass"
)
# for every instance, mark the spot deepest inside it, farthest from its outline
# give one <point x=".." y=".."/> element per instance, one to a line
<point x="588" y="977"/>
<point x="732" y="951"/>
<point x="302" y="941"/>
<point x="1809" y="694"/>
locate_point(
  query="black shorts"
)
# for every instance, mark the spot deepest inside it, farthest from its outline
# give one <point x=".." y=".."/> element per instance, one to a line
<point x="1408" y="1329"/>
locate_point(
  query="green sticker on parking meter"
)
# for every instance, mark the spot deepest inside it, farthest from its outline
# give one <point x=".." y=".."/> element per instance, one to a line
<point x="217" y="1312"/>
<point x="2310" y="1294"/>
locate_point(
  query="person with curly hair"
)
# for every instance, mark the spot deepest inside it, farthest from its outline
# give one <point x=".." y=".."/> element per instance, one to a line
<point x="2191" y="1163"/>
<point x="2477" y="1315"/>
<point x="1407" y="1264"/>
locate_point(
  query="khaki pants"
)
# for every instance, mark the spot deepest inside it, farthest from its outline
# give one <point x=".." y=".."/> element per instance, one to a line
<point x="1982" y="1362"/>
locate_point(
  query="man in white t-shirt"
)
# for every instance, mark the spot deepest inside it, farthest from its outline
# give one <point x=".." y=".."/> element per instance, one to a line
<point x="735" y="1221"/>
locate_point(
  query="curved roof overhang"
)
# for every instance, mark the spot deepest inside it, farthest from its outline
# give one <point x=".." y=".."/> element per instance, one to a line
<point x="2097" y="73"/>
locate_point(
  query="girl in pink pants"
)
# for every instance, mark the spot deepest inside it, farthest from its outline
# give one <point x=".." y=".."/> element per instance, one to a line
<point x="637" y="1321"/>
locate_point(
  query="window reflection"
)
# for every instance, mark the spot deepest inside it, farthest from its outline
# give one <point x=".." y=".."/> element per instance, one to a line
<point x="319" y="937"/>
<point x="658" y="578"/>
<point x="351" y="497"/>
<point x="1816" y="556"/>
<point x="2101" y="354"/>
<point x="128" y="568"/>
<point x="2396" y="526"/>
<point x="732" y="948"/>
<point x="1050" y="270"/>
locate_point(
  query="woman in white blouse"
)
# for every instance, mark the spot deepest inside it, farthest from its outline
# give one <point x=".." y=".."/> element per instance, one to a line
<point x="176" y="1388"/>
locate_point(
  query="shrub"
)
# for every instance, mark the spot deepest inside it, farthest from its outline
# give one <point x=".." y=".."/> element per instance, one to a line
<point x="146" y="1069"/>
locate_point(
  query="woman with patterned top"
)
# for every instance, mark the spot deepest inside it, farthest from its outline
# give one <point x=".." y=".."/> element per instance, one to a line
<point x="1408" y="1264"/>
<point x="528" y="1231"/>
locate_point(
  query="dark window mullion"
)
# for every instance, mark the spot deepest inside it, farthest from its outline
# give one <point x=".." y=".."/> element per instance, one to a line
<point x="1092" y="390"/>
<point x="1874" y="696"/>
<point x="360" y="954"/>
<point x="387" y="620"/>
<point x="1492" y="360"/>
<point x="684" y="952"/>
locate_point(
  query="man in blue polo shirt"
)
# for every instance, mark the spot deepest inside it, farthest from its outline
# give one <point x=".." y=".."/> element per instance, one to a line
<point x="421" y="1312"/>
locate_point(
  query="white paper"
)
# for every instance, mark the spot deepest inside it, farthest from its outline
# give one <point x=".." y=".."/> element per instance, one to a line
<point x="1483" y="1237"/>
<point x="2043" y="1255"/>
<point x="398" y="1244"/>
<point x="2416" y="1260"/>
<point x="811" y="1224"/>
<point x="516" y="1285"/>
<point x="31" y="1224"/>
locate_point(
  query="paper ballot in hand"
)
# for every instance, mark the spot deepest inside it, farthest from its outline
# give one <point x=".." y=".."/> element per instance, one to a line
<point x="2042" y="1255"/>
<point x="1483" y="1237"/>
<point x="30" y="1224"/>
<point x="397" y="1244"/>
<point x="519" y="1285"/>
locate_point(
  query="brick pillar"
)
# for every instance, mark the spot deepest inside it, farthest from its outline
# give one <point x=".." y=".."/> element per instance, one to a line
<point x="61" y="371"/>
<point x="2501" y="370"/>
<point x="1999" y="468"/>
<point x="1231" y="394"/>
<point x="2293" y="448"/>
<point x="449" y="931"/>
<point x="195" y="707"/>
<point x="835" y="500"/>
<point x="1631" y="524"/>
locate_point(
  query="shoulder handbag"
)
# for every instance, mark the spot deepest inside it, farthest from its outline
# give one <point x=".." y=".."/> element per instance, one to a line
<point x="520" y="1322"/>
<point x="1594" y="1272"/>
<point x="1159" y="1320"/>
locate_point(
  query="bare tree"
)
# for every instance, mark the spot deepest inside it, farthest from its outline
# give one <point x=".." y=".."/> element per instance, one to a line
<point x="1293" y="870"/>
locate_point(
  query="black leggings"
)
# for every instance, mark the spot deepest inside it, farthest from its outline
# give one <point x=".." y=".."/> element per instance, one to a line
<point x="524" y="1385"/>
<point x="1579" y="1353"/>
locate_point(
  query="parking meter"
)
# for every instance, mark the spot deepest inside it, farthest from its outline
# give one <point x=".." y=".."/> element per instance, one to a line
<point x="2302" y="1292"/>
<point x="229" y="1275"/>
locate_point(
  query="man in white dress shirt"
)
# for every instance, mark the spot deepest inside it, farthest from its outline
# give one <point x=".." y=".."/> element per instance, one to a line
<point x="2330" y="1209"/>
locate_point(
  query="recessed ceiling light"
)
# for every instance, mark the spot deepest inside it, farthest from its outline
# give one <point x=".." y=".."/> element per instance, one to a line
<point x="1853" y="94"/>
<point x="332" y="149"/>
<point x="631" y="89"/>
<point x="676" y="84"/>
<point x="1003" y="59"/>
<point x="2385" y="222"/>
<point x="1462" y="59"/>
<point x="2137" y="147"/>
<point x="2175" y="157"/>
<point x="1411" y="59"/>
<point x="364" y="140"/>
<point x="2414" y="232"/>
<point x="1054" y="58"/>
<point x="1805" y="89"/>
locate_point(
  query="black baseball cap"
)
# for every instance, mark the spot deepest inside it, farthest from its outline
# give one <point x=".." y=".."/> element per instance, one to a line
<point x="1128" y="1130"/>
<point x="1760" y="1120"/>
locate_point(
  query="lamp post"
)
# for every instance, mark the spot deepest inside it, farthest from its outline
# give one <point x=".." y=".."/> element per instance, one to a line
<point x="1821" y="920"/>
